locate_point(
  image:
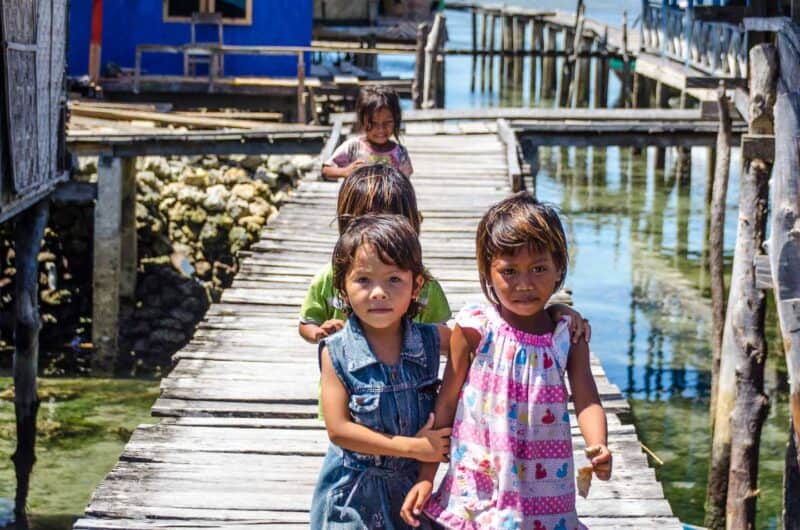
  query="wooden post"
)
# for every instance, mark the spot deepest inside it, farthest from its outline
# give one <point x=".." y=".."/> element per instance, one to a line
<point x="720" y="456"/>
<point x="572" y="43"/>
<point x="548" y="84"/>
<point x="508" y="46"/>
<point x="112" y="172"/>
<point x="626" y="65"/>
<point x="741" y="399"/>
<point x="536" y="48"/>
<point x="129" y="258"/>
<point x="301" y="88"/>
<point x="474" y="48"/>
<point x="601" y="74"/>
<point x="519" y="47"/>
<point x="484" y="29"/>
<point x="661" y="103"/>
<point x="28" y="232"/>
<point x="419" y="66"/>
<point x="431" y="51"/>
<point x="566" y="67"/>
<point x="491" y="52"/>
<point x="784" y="246"/>
<point x="582" y="81"/>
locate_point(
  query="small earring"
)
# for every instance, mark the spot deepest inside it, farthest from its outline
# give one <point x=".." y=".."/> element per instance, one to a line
<point x="492" y="296"/>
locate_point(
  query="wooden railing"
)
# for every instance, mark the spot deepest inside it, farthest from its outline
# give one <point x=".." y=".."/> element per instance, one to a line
<point x="215" y="52"/>
<point x="717" y="48"/>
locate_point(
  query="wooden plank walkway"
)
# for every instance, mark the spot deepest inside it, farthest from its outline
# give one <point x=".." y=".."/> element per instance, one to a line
<point x="238" y="444"/>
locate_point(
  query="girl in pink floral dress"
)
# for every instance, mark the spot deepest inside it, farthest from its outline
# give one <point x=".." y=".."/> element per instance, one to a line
<point x="504" y="392"/>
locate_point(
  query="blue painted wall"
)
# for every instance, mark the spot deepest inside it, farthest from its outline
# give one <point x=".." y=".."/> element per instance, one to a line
<point x="127" y="23"/>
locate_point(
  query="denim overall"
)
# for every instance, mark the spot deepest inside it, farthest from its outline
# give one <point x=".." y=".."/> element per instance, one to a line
<point x="359" y="491"/>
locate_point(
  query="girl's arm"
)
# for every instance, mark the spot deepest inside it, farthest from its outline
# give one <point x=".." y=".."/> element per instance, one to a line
<point x="332" y="172"/>
<point x="428" y="446"/>
<point x="463" y="342"/>
<point x="591" y="416"/>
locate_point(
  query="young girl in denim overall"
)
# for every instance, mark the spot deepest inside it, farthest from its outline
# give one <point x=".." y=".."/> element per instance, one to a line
<point x="379" y="380"/>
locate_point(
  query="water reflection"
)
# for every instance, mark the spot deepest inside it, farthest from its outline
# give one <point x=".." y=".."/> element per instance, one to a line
<point x="637" y="223"/>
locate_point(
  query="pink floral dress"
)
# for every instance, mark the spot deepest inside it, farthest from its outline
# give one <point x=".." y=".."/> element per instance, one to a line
<point x="511" y="451"/>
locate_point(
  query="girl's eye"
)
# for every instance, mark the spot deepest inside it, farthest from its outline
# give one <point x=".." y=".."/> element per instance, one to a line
<point x="395" y="279"/>
<point x="362" y="279"/>
<point x="539" y="269"/>
<point x="507" y="272"/>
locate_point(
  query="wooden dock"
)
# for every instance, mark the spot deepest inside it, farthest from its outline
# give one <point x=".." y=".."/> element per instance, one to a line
<point x="238" y="444"/>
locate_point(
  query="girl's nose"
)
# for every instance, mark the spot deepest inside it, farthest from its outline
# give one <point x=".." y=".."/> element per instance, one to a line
<point x="378" y="292"/>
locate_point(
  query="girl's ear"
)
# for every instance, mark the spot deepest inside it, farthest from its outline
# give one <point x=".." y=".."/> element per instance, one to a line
<point x="419" y="281"/>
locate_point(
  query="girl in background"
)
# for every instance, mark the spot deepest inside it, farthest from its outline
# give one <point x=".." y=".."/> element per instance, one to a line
<point x="378" y="116"/>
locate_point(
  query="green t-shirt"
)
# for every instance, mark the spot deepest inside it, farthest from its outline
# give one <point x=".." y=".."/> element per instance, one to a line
<point x="321" y="302"/>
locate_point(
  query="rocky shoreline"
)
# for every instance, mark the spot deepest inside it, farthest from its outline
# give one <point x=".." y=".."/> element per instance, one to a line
<point x="193" y="216"/>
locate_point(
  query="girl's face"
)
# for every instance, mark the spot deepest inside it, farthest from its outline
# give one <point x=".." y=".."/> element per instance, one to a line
<point x="380" y="126"/>
<point x="379" y="293"/>
<point x="524" y="281"/>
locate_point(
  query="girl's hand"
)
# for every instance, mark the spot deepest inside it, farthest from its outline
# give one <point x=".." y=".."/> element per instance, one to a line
<point x="415" y="500"/>
<point x="332" y="326"/>
<point x="601" y="460"/>
<point x="578" y="326"/>
<point x="433" y="444"/>
<point x="353" y="166"/>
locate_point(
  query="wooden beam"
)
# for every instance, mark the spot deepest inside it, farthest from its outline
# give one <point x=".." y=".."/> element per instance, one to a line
<point x="194" y="121"/>
<point x="709" y="82"/>
<point x="758" y="146"/>
<point x="74" y="192"/>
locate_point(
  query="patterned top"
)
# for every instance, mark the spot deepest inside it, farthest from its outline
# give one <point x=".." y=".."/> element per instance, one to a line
<point x="511" y="450"/>
<point x="358" y="148"/>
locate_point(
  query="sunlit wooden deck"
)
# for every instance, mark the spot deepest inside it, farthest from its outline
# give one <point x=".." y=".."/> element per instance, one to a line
<point x="237" y="443"/>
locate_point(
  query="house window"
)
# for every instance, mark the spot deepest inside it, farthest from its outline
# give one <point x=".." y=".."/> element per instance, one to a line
<point x="236" y="12"/>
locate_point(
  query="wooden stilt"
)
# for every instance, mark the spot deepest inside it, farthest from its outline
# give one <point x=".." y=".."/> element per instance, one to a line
<point x="419" y="66"/>
<point x="28" y="232"/>
<point x="626" y="66"/>
<point x="582" y="81"/>
<point x="474" y="48"/>
<point x="720" y="455"/>
<point x="484" y="29"/>
<point x="128" y="250"/>
<point x="566" y="68"/>
<point x="519" y="47"/>
<point x="744" y="346"/>
<point x="548" y="85"/>
<point x="536" y="48"/>
<point x="491" y="52"/>
<point x="107" y="271"/>
<point x="661" y="103"/>
<point x="601" y="66"/>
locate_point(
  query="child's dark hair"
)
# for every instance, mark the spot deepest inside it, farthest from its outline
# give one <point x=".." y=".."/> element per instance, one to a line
<point x="373" y="98"/>
<point x="516" y="222"/>
<point x="377" y="189"/>
<point x="395" y="241"/>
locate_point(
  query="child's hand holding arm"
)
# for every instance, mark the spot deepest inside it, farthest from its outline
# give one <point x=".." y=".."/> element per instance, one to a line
<point x="316" y="332"/>
<point x="429" y="445"/>
<point x="591" y="416"/>
<point x="578" y="326"/>
<point x="462" y="344"/>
